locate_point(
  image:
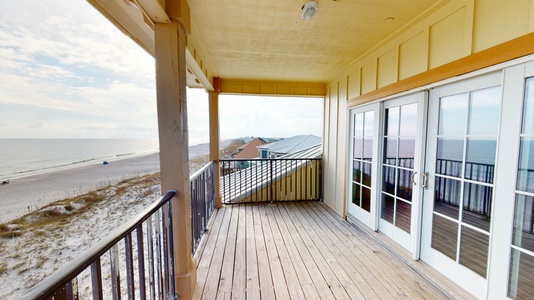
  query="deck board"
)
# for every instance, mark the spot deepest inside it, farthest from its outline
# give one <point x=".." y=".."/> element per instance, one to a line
<point x="300" y="250"/>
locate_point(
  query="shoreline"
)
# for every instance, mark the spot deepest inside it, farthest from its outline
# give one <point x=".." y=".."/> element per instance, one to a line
<point x="26" y="194"/>
<point x="75" y="165"/>
<point x="29" y="193"/>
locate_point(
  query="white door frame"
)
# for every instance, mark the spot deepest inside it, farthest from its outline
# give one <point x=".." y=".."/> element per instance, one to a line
<point x="409" y="241"/>
<point x="461" y="275"/>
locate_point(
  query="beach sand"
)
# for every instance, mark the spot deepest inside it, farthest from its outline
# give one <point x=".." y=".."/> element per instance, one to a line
<point x="26" y="194"/>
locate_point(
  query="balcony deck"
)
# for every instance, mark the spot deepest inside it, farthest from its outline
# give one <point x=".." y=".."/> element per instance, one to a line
<point x="299" y="250"/>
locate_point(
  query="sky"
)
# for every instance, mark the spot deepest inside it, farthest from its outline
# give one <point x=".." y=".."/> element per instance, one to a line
<point x="67" y="72"/>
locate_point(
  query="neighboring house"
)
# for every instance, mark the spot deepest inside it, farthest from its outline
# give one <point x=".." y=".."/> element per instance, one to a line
<point x="288" y="146"/>
<point x="249" y="150"/>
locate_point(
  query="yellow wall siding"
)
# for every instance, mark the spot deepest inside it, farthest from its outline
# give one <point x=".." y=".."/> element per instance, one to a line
<point x="353" y="84"/>
<point x="446" y="39"/>
<point x="326" y="142"/>
<point x="387" y="68"/>
<point x="334" y="156"/>
<point x="368" y="77"/>
<point x="232" y="86"/>
<point x="413" y="56"/>
<point x="458" y="29"/>
<point x="341" y="147"/>
<point x="497" y="21"/>
<point x="330" y="174"/>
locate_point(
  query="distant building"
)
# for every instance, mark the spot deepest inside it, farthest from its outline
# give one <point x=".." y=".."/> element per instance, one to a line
<point x="288" y="146"/>
<point x="249" y="149"/>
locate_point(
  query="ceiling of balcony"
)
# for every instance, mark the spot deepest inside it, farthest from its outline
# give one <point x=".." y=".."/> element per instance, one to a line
<point x="268" y="39"/>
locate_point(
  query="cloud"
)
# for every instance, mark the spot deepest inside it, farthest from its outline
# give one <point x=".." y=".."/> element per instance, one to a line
<point x="68" y="72"/>
<point x="65" y="65"/>
<point x="37" y="125"/>
<point x="269" y="116"/>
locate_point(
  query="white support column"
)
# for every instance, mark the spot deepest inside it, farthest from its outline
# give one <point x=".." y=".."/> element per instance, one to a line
<point x="174" y="145"/>
<point x="215" y="139"/>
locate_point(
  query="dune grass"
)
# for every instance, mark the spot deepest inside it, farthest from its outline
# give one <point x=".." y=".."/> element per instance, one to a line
<point x="59" y="213"/>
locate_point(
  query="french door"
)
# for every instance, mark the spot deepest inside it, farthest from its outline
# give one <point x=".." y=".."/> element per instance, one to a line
<point x="462" y="137"/>
<point x="400" y="162"/>
<point x="449" y="175"/>
<point x="363" y="170"/>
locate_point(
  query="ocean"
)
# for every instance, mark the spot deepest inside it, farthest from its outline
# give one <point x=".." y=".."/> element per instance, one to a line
<point x="24" y="157"/>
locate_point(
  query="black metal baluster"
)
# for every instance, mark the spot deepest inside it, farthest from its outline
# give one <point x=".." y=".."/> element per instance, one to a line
<point x="129" y="266"/>
<point x="96" y="279"/>
<point x="171" y="253"/>
<point x="141" y="261"/>
<point x="150" y="248"/>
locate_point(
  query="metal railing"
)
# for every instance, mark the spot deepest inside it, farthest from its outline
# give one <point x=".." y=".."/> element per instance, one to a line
<point x="145" y="246"/>
<point x="269" y="180"/>
<point x="202" y="202"/>
<point x="478" y="198"/>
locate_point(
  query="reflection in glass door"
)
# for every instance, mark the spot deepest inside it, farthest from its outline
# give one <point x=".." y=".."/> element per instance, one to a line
<point x="362" y="159"/>
<point x="401" y="137"/>
<point x="522" y="257"/>
<point x="465" y="167"/>
<point x="461" y="153"/>
<point x="362" y="172"/>
<point x="398" y="165"/>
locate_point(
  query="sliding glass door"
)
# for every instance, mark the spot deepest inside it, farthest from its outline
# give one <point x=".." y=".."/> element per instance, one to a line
<point x="462" y="141"/>
<point x="402" y="127"/>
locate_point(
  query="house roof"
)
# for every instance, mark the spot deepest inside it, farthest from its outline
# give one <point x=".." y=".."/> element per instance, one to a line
<point x="249" y="150"/>
<point x="292" y="144"/>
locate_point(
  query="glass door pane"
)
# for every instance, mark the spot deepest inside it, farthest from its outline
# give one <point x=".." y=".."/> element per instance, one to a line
<point x="466" y="144"/>
<point x="362" y="164"/>
<point x="522" y="253"/>
<point x="362" y="159"/>
<point x="398" y="165"/>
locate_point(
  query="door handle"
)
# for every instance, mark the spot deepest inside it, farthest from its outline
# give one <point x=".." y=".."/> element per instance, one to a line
<point x="425" y="180"/>
<point x="413" y="178"/>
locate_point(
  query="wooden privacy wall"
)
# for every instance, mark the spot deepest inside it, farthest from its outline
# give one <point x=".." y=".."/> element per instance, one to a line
<point x="281" y="180"/>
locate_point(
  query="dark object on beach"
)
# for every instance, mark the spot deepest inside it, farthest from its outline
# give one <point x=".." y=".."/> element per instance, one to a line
<point x="5" y="182"/>
<point x="105" y="162"/>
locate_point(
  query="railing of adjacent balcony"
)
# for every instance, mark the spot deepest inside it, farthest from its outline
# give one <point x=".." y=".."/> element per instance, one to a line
<point x="202" y="202"/>
<point x="137" y="260"/>
<point x="269" y="180"/>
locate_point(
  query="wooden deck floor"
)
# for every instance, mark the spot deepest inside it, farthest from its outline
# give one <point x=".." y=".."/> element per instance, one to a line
<point x="299" y="251"/>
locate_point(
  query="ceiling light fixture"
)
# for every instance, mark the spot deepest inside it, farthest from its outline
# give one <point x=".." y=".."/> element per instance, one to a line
<point x="308" y="10"/>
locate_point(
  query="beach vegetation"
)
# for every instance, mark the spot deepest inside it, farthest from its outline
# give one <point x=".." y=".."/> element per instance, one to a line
<point x="11" y="234"/>
<point x="3" y="268"/>
<point x="4" y="227"/>
<point x="91" y="197"/>
<point x="19" y="221"/>
<point x="42" y="260"/>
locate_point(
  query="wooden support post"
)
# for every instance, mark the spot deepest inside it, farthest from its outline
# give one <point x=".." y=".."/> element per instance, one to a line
<point x="174" y="145"/>
<point x="214" y="140"/>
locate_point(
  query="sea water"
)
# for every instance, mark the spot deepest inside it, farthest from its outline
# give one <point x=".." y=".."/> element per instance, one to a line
<point x="23" y="157"/>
